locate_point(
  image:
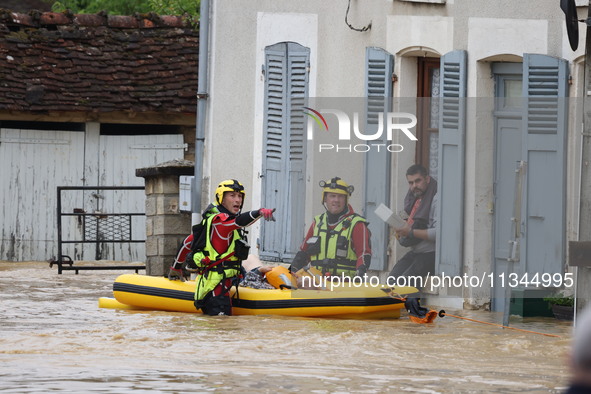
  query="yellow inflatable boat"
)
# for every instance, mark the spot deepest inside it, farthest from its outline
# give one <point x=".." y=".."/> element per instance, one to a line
<point x="344" y="301"/>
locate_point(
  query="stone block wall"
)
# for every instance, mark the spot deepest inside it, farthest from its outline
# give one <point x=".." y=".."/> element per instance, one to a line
<point x="166" y="225"/>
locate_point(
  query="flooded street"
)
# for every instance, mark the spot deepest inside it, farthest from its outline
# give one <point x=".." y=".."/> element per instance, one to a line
<point x="55" y="338"/>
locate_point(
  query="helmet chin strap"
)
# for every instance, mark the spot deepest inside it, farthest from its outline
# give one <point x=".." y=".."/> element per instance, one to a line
<point x="223" y="209"/>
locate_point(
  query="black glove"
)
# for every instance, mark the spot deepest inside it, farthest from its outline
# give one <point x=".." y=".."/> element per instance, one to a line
<point x="189" y="266"/>
<point x="299" y="261"/>
<point x="176" y="274"/>
<point x="361" y="270"/>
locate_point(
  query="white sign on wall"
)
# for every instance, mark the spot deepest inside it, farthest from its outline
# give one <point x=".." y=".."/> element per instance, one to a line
<point x="185" y="183"/>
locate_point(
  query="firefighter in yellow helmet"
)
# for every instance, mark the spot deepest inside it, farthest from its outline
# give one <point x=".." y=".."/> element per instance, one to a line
<point x="338" y="241"/>
<point x="217" y="247"/>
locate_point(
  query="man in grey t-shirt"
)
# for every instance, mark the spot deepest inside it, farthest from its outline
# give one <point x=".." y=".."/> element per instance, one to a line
<point x="419" y="233"/>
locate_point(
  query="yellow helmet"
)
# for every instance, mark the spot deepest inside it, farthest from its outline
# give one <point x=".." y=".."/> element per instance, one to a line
<point x="336" y="185"/>
<point x="230" y="185"/>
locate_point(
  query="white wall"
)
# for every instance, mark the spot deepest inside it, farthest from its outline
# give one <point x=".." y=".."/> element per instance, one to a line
<point x="502" y="30"/>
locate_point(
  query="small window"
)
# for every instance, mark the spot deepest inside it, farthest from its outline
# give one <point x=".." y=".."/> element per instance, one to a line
<point x="513" y="93"/>
<point x="508" y="86"/>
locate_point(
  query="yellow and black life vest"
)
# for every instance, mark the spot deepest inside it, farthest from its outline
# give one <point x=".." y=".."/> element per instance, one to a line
<point x="214" y="267"/>
<point x="336" y="255"/>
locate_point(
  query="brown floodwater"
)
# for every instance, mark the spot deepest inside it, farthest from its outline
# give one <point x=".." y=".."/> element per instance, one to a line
<point x="55" y="338"/>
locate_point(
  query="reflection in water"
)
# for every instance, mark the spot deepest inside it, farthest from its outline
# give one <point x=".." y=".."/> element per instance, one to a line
<point x="54" y="337"/>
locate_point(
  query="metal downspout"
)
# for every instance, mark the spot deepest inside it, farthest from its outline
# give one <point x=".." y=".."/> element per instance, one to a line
<point x="202" y="96"/>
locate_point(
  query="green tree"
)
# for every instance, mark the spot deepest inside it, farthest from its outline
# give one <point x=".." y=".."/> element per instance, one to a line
<point x="175" y="7"/>
<point x="128" y="7"/>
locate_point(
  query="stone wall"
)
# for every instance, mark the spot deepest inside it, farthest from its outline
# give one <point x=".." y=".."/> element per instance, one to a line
<point x="166" y="225"/>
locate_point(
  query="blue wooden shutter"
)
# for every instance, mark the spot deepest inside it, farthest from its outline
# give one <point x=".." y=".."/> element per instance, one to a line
<point x="450" y="173"/>
<point x="545" y="88"/>
<point x="274" y="141"/>
<point x="286" y="89"/>
<point x="298" y="62"/>
<point x="378" y="92"/>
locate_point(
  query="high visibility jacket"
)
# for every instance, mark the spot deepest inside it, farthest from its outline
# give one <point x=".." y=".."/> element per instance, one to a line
<point x="211" y="270"/>
<point x="336" y="253"/>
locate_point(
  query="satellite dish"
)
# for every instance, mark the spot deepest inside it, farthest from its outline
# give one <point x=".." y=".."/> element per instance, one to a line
<point x="572" y="23"/>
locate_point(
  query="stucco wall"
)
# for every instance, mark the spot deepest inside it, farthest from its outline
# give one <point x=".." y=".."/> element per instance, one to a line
<point x="489" y="31"/>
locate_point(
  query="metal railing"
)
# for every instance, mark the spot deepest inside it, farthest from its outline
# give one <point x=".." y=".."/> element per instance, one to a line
<point x="97" y="228"/>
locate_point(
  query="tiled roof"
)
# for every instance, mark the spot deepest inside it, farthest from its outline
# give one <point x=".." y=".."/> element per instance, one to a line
<point x="97" y="63"/>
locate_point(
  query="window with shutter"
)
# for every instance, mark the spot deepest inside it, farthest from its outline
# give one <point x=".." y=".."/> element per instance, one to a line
<point x="530" y="131"/>
<point x="378" y="91"/>
<point x="545" y="87"/>
<point x="286" y="92"/>
<point x="450" y="175"/>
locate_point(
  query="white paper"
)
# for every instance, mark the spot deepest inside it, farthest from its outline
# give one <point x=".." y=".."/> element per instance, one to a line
<point x="394" y="220"/>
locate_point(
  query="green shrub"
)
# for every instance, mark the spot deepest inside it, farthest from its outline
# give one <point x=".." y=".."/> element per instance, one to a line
<point x="560" y="299"/>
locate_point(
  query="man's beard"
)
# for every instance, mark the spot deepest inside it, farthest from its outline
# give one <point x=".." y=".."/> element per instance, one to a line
<point x="418" y="193"/>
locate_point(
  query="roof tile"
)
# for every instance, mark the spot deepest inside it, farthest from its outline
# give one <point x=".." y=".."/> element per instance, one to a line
<point x="57" y="62"/>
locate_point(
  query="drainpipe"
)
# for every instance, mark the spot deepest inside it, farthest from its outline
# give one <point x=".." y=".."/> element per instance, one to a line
<point x="202" y="96"/>
<point x="583" y="274"/>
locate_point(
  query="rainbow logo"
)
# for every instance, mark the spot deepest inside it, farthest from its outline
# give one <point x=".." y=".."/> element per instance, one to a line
<point x="317" y="116"/>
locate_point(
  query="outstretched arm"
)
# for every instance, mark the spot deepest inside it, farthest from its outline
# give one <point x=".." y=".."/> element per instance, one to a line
<point x="223" y="225"/>
<point x="248" y="218"/>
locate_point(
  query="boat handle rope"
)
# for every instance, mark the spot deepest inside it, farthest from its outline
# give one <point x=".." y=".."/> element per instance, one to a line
<point x="442" y="313"/>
